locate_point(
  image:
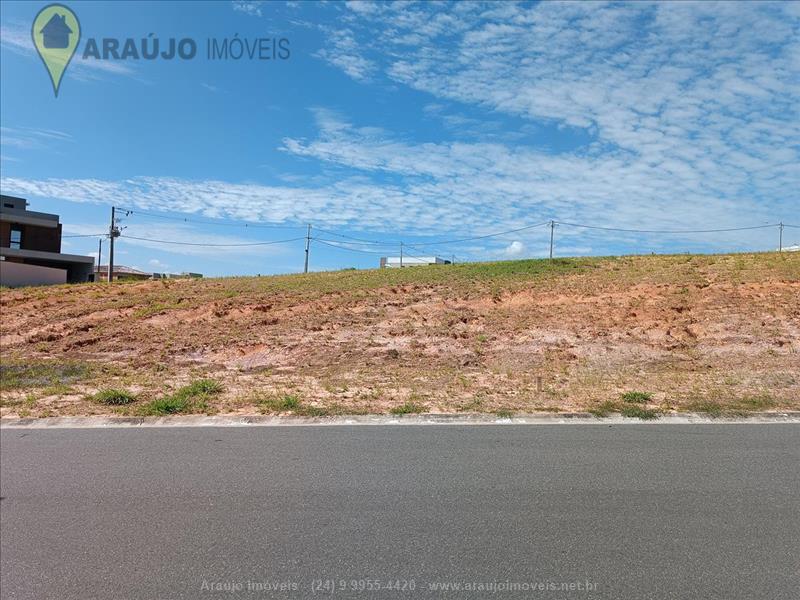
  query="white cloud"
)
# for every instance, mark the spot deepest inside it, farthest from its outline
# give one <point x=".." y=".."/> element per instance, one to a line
<point x="157" y="264"/>
<point x="344" y="52"/>
<point x="31" y="138"/>
<point x="515" y="248"/>
<point x="252" y="8"/>
<point x="682" y="100"/>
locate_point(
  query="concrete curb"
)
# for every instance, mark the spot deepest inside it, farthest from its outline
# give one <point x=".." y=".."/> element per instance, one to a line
<point x="423" y="419"/>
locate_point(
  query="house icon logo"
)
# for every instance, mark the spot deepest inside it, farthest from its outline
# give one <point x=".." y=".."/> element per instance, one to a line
<point x="56" y="33"/>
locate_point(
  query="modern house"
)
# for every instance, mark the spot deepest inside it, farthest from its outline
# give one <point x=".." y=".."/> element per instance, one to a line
<point x="392" y="262"/>
<point x="30" y="248"/>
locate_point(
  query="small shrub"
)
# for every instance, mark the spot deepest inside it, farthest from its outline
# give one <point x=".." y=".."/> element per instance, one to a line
<point x="114" y="397"/>
<point x="503" y="413"/>
<point x="408" y="408"/>
<point x="637" y="412"/>
<point x="637" y="397"/>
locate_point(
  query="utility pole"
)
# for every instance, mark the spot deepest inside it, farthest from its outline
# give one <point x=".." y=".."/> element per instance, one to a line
<point x="99" y="257"/>
<point x="552" y="231"/>
<point x="780" y="238"/>
<point x="401" y="255"/>
<point x="113" y="232"/>
<point x="308" y="245"/>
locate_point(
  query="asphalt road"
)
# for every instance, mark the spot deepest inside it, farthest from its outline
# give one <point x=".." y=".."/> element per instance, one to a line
<point x="631" y="511"/>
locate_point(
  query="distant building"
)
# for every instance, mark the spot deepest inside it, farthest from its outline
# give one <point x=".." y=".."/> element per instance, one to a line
<point x="183" y="275"/>
<point x="392" y="262"/>
<point x="30" y="248"/>
<point x="120" y="273"/>
<point x="795" y="248"/>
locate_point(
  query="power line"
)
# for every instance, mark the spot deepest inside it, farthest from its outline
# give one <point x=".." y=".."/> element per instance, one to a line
<point x="354" y="240"/>
<point x="356" y="243"/>
<point x="360" y="240"/>
<point x="245" y="224"/>
<point x="384" y="247"/>
<point x="346" y="248"/>
<point x="131" y="237"/>
<point x="677" y="231"/>
<point x="478" y="237"/>
<point x="482" y="237"/>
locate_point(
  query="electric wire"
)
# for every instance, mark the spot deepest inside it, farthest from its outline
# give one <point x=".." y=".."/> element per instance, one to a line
<point x="363" y="241"/>
<point x="245" y="224"/>
<point x="325" y="243"/>
<point x="671" y="231"/>
<point x="388" y="245"/>
<point x="131" y="237"/>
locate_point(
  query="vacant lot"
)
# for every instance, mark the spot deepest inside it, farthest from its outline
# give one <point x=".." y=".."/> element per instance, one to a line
<point x="641" y="335"/>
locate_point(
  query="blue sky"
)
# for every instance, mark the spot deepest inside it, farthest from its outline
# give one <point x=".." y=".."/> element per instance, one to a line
<point x="418" y="122"/>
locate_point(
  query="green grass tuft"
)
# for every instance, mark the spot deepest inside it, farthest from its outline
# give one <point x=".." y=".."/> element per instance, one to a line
<point x="200" y="387"/>
<point x="46" y="373"/>
<point x="736" y="408"/>
<point x="637" y="412"/>
<point x="293" y="404"/>
<point x="279" y="403"/>
<point x="114" y="397"/>
<point x="171" y="405"/>
<point x="190" y="398"/>
<point x="637" y="397"/>
<point x="408" y="408"/>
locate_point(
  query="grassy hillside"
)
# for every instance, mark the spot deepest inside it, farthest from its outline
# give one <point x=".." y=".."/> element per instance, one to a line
<point x="647" y="333"/>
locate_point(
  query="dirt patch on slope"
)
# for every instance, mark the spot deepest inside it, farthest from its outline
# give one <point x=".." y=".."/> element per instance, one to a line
<point x="680" y="328"/>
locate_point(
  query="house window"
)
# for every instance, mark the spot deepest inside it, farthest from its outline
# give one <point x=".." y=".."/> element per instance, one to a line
<point x="16" y="237"/>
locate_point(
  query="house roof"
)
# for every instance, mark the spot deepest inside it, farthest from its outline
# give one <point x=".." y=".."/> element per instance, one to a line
<point x="56" y="24"/>
<point x="44" y="255"/>
<point x="122" y="269"/>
